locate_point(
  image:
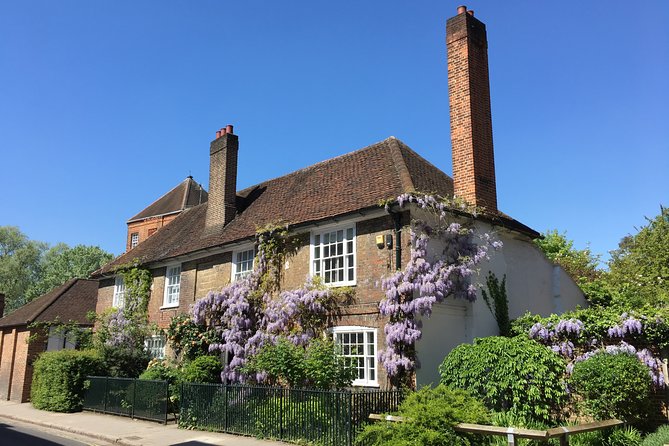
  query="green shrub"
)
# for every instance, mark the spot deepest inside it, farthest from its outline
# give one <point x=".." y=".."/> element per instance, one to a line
<point x="204" y="369"/>
<point x="124" y="362"/>
<point x="624" y="437"/>
<point x="318" y="365"/>
<point x="430" y="416"/>
<point x="613" y="386"/>
<point x="509" y="374"/>
<point x="59" y="379"/>
<point x="164" y="371"/>
<point x="657" y="438"/>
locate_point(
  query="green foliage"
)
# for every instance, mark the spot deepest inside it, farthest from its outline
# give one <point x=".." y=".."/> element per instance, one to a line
<point x="613" y="386"/>
<point x="509" y="374"/>
<point x="430" y="416"/>
<point x="124" y="362"/>
<point x="639" y="268"/>
<point x="20" y="265"/>
<point x="165" y="371"/>
<point x="580" y="264"/>
<point x="498" y="303"/>
<point x="318" y="365"/>
<point x="205" y="369"/>
<point x="62" y="263"/>
<point x="59" y="379"/>
<point x="188" y="339"/>
<point x="628" y="436"/>
<point x="657" y="438"/>
<point x="277" y="245"/>
<point x="137" y="280"/>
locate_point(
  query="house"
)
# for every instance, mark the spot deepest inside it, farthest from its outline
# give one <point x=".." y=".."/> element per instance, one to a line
<point x="185" y="195"/>
<point x="68" y="303"/>
<point x="332" y="207"/>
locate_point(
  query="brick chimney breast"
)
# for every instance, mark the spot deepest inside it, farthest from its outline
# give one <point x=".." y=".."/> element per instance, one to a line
<point x="222" y="204"/>
<point x="471" y="117"/>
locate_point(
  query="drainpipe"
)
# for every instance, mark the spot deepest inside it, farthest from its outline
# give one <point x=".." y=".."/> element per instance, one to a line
<point x="397" y="218"/>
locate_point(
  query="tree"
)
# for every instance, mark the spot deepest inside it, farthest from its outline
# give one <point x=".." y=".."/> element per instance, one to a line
<point x="62" y="263"/>
<point x="20" y="265"/>
<point x="639" y="268"/>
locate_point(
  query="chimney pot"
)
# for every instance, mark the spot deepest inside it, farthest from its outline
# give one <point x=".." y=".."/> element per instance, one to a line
<point x="218" y="134"/>
<point x="228" y="128"/>
<point x="471" y="12"/>
<point x="462" y="9"/>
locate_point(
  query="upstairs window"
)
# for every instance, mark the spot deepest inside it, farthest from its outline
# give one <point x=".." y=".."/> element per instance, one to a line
<point x="358" y="347"/>
<point x="333" y="256"/>
<point x="172" y="286"/>
<point x="134" y="239"/>
<point x="242" y="263"/>
<point x="119" y="293"/>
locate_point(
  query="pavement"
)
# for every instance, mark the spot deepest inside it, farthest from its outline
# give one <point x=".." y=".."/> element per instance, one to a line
<point x="112" y="429"/>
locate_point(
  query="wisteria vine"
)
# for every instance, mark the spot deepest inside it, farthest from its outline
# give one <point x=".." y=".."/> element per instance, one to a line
<point x="412" y="292"/>
<point x="246" y="317"/>
<point x="567" y="338"/>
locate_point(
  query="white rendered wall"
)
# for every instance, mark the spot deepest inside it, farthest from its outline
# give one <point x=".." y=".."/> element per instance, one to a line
<point x="533" y="283"/>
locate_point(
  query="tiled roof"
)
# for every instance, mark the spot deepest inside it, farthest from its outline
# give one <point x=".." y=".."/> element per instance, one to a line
<point x="186" y="194"/>
<point x="69" y="302"/>
<point x="339" y="186"/>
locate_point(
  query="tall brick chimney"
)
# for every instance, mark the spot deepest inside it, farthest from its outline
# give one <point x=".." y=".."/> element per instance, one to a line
<point x="222" y="204"/>
<point x="2" y="304"/>
<point x="471" y="120"/>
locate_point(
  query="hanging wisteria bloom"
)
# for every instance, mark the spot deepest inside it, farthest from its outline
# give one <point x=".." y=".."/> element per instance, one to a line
<point x="119" y="329"/>
<point x="628" y="326"/>
<point x="411" y="292"/>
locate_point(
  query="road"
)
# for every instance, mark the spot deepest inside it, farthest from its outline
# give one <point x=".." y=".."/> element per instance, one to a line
<point x="14" y="433"/>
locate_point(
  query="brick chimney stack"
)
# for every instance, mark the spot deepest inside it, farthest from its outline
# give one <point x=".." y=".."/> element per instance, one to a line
<point x="2" y="304"/>
<point x="471" y="120"/>
<point x="222" y="205"/>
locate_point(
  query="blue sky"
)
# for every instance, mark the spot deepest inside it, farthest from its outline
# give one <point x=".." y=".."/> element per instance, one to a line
<point x="104" y="106"/>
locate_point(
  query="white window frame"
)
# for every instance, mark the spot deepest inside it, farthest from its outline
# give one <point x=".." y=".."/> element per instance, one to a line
<point x="317" y="266"/>
<point x="369" y="359"/>
<point x="118" y="301"/>
<point x="155" y="346"/>
<point x="236" y="274"/>
<point x="168" y="293"/>
<point x="134" y="239"/>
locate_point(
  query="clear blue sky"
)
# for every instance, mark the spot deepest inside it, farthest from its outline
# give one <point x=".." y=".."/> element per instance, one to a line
<point x="104" y="106"/>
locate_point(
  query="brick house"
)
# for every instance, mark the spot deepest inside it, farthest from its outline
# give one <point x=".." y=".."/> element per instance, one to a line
<point x="185" y="195"/>
<point x="70" y="302"/>
<point x="335" y="204"/>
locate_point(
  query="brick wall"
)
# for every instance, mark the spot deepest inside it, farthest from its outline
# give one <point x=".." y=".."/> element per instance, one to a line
<point x="16" y="360"/>
<point x="471" y="116"/>
<point x="222" y="181"/>
<point x="147" y="227"/>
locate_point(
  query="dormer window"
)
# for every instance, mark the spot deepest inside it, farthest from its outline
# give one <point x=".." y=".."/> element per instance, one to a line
<point x="242" y="263"/>
<point x="172" y="286"/>
<point x="118" y="301"/>
<point x="333" y="256"/>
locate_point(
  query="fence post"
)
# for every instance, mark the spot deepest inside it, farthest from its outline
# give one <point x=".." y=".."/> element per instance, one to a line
<point x="134" y="398"/>
<point x="167" y="399"/>
<point x="106" y="391"/>
<point x="350" y="418"/>
<point x="225" y="407"/>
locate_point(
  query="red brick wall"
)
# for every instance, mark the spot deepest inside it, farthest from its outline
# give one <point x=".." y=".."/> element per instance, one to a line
<point x="147" y="227"/>
<point x="471" y="116"/>
<point x="16" y="359"/>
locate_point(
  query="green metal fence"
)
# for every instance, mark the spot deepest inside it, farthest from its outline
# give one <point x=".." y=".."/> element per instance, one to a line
<point x="318" y="416"/>
<point x="145" y="399"/>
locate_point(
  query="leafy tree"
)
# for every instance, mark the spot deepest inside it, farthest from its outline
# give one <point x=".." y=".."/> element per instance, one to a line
<point x="62" y="263"/>
<point x="639" y="268"/>
<point x="20" y="265"/>
<point x="580" y="264"/>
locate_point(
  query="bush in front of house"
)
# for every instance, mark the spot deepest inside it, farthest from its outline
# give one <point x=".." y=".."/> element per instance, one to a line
<point x="430" y="415"/>
<point x="59" y="379"/>
<point x="509" y="374"/>
<point x="124" y="362"/>
<point x="203" y="369"/>
<point x="658" y="438"/>
<point x="613" y="386"/>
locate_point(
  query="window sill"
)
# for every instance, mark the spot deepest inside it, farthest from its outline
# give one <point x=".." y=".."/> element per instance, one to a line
<point x="169" y="307"/>
<point x="365" y="384"/>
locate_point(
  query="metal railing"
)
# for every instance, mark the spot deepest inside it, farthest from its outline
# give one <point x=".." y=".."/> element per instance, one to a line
<point x="135" y="398"/>
<point x="319" y="416"/>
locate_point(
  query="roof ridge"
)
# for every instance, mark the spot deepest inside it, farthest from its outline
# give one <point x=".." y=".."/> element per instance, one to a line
<point x="312" y="166"/>
<point x="401" y="166"/>
<point x="157" y="200"/>
<point x="184" y="200"/>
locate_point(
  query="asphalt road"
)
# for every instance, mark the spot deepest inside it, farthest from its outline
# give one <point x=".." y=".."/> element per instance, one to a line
<point x="21" y="434"/>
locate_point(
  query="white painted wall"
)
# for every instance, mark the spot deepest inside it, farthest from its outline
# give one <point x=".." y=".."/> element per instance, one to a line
<point x="533" y="284"/>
